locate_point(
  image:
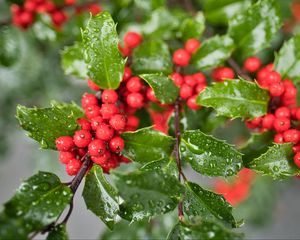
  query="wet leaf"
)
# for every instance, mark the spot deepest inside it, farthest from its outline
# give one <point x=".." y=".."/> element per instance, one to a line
<point x="59" y="232"/>
<point x="192" y="27"/>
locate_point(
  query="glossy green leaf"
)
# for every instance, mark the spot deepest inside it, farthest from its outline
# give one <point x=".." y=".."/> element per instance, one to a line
<point x="287" y="61"/>
<point x="59" y="232"/>
<point x="146" y="145"/>
<point x="199" y="202"/>
<point x="208" y="155"/>
<point x="164" y="88"/>
<point x="192" y="27"/>
<point x="276" y="162"/>
<point x="152" y="57"/>
<point x="73" y="62"/>
<point x="253" y="29"/>
<point x="213" y="52"/>
<point x="221" y="11"/>
<point x="46" y="124"/>
<point x="147" y="193"/>
<point x="100" y="197"/>
<point x="169" y="167"/>
<point x="202" y="230"/>
<point x="235" y="98"/>
<point x="100" y="41"/>
<point x="39" y="201"/>
<point x="12" y="228"/>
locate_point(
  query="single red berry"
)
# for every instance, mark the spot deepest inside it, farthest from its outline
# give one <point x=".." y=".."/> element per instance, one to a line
<point x="190" y="80"/>
<point x="256" y="121"/>
<point x="278" y="138"/>
<point x="125" y="51"/>
<point x="296" y="148"/>
<point x="97" y="147"/>
<point x="73" y="167"/>
<point x="191" y="103"/>
<point x="276" y="89"/>
<point x="92" y="111"/>
<point x="111" y="164"/>
<point x="221" y="73"/>
<point x="127" y="73"/>
<point x="82" y="138"/>
<point x="282" y="112"/>
<point x="66" y="157"/>
<point x="94" y="8"/>
<point x="288" y="83"/>
<point x="181" y="57"/>
<point x="200" y="78"/>
<point x="109" y="96"/>
<point x="135" y="100"/>
<point x="92" y="85"/>
<point x="118" y="122"/>
<point x="132" y="39"/>
<point x="282" y="124"/>
<point x="297" y="159"/>
<point x="134" y="84"/>
<point x="88" y="100"/>
<point x="108" y="110"/>
<point x="185" y="91"/>
<point x="192" y="45"/>
<point x="151" y="95"/>
<point x="200" y="87"/>
<point x="252" y="64"/>
<point x="177" y="79"/>
<point x="268" y="121"/>
<point x="58" y="18"/>
<point x="104" y="132"/>
<point x="101" y="159"/>
<point x="95" y="122"/>
<point x="84" y="124"/>
<point x="30" y="6"/>
<point x="290" y="92"/>
<point x="116" y="144"/>
<point x="26" y="18"/>
<point x="291" y="135"/>
<point x="273" y="77"/>
<point x="64" y="143"/>
<point x="133" y="121"/>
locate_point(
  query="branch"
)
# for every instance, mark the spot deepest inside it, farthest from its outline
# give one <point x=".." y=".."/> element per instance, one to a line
<point x="238" y="69"/>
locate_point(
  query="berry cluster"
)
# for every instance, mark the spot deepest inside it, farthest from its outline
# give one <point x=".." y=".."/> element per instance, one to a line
<point x="283" y="112"/>
<point x="24" y="16"/>
<point x="99" y="134"/>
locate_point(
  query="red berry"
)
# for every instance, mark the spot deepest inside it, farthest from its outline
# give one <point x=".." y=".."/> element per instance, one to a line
<point x="221" y="73"/>
<point x="124" y="159"/>
<point x="46" y="7"/>
<point x="15" y="9"/>
<point x="282" y="124"/>
<point x="95" y="122"/>
<point x="278" y="138"/>
<point x="268" y="121"/>
<point x="132" y="39"/>
<point x="291" y="135"/>
<point x="151" y="95"/>
<point x="200" y="87"/>
<point x="273" y="77"/>
<point x="297" y="159"/>
<point x="290" y="92"/>
<point x="84" y="124"/>
<point x="185" y="91"/>
<point x="177" y="79"/>
<point x="26" y="18"/>
<point x="108" y="110"/>
<point x="125" y="51"/>
<point x="93" y="85"/>
<point x="97" y="147"/>
<point x="65" y="157"/>
<point x="70" y="2"/>
<point x="181" y="57"/>
<point x="94" y="8"/>
<point x="30" y="6"/>
<point x="127" y="73"/>
<point x="104" y="132"/>
<point x="191" y="103"/>
<point x="58" y="18"/>
<point x="92" y="111"/>
<point x="200" y="78"/>
<point x="133" y="122"/>
<point x="109" y="96"/>
<point x="135" y="100"/>
<point x="276" y="89"/>
<point x="297" y="115"/>
<point x="82" y="138"/>
<point x="101" y="159"/>
<point x="88" y="100"/>
<point x="81" y="152"/>
<point x="116" y="144"/>
<point x="64" y="143"/>
<point x="252" y="64"/>
<point x="190" y="80"/>
<point x="134" y="84"/>
<point x="118" y="122"/>
<point x="73" y="167"/>
<point x="282" y="112"/>
<point x="296" y="148"/>
<point x="192" y="45"/>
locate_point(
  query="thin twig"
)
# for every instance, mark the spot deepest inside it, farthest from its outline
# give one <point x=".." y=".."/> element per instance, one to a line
<point x="69" y="212"/>
<point x="238" y="69"/>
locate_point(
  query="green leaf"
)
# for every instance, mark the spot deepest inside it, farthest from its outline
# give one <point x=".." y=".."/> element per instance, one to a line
<point x="147" y="193"/>
<point x="10" y="47"/>
<point x="287" y="61"/>
<point x="59" y="232"/>
<point x="208" y="155"/>
<point x="46" y="124"/>
<point x="152" y="57"/>
<point x="276" y="162"/>
<point x="198" y="202"/>
<point x="73" y="62"/>
<point x="235" y="98"/>
<point x="192" y="27"/>
<point x="12" y="228"/>
<point x="100" y="197"/>
<point x="100" y="41"/>
<point x="202" y="230"/>
<point x="146" y="145"/>
<point x="169" y="167"/>
<point x="164" y="88"/>
<point x="39" y="201"/>
<point x="219" y="12"/>
<point x="213" y="52"/>
<point x="253" y="29"/>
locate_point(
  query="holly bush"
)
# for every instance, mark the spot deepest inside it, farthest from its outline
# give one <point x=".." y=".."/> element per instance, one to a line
<point x="164" y="76"/>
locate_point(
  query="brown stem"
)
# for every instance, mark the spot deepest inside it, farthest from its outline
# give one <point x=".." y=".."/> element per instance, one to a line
<point x="238" y="69"/>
